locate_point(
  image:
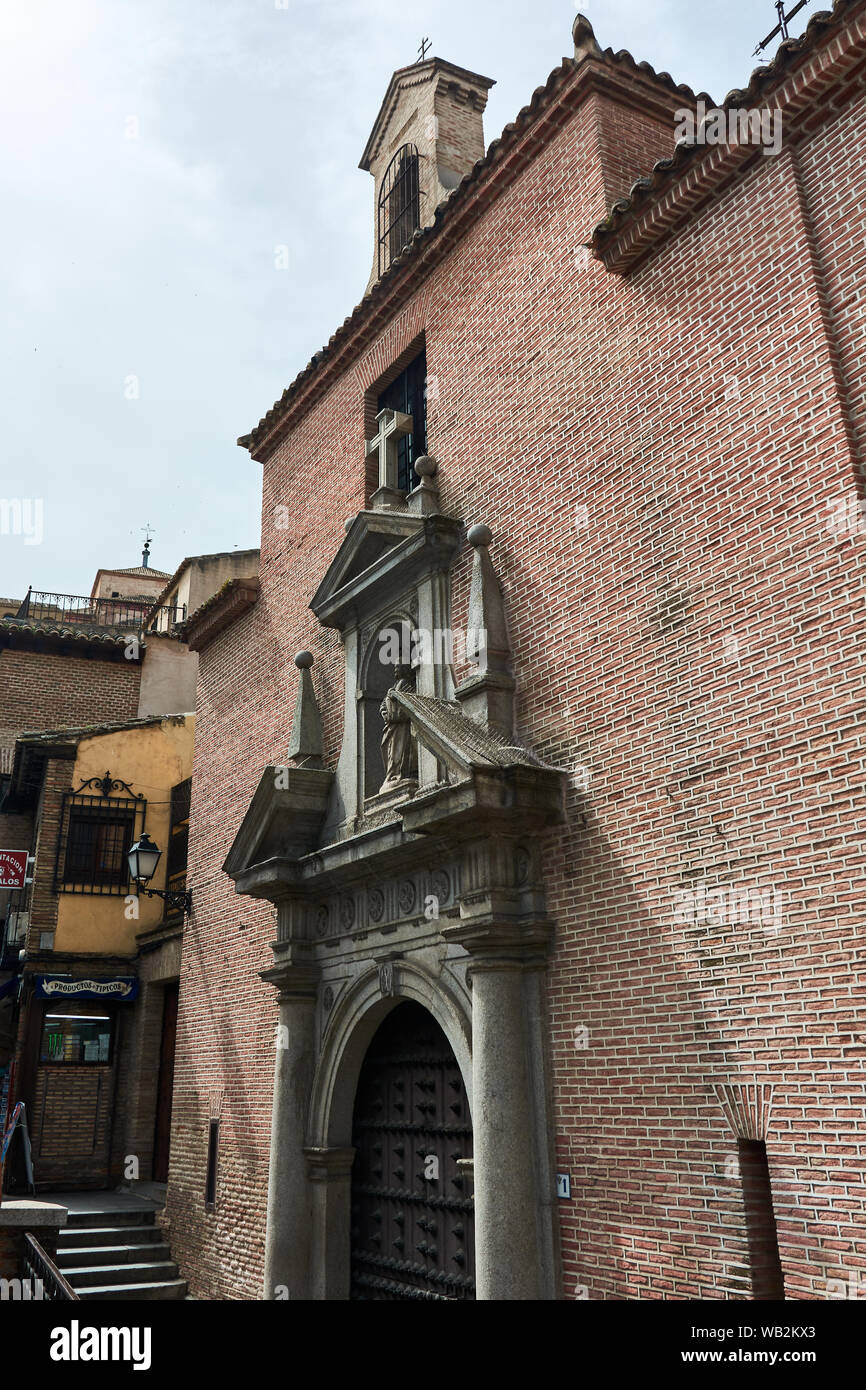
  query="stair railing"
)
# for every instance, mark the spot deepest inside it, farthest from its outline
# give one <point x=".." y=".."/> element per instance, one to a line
<point x="40" y="1269"/>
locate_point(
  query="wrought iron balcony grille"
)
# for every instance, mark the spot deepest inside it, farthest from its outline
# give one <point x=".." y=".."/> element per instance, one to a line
<point x="399" y="205"/>
<point x="80" y="612"/>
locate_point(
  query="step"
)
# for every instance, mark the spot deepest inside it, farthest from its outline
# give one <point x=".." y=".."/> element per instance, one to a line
<point x="90" y="1255"/>
<point x="83" y="1276"/>
<point x="124" y="1216"/>
<point x="162" y="1289"/>
<point x="105" y="1235"/>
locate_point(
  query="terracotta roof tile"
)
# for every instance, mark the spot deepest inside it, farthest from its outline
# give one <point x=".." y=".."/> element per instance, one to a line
<point x="764" y="76"/>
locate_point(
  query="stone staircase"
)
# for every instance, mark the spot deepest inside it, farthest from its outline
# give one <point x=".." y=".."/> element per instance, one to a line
<point x="111" y="1254"/>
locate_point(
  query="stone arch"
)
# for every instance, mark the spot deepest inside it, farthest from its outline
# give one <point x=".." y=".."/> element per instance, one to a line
<point x="369" y="663"/>
<point x="356" y="1016"/>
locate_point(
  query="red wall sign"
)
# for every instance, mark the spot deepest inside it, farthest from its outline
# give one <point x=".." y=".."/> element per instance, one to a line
<point x="13" y="868"/>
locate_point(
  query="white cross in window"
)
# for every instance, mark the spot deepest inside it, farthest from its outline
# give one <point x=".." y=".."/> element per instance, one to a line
<point x="393" y="425"/>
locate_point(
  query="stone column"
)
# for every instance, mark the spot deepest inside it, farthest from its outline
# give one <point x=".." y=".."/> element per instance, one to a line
<point x="287" y="1244"/>
<point x="503" y="1122"/>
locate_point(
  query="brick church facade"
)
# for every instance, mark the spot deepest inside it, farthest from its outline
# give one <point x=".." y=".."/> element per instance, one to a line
<point x="526" y="969"/>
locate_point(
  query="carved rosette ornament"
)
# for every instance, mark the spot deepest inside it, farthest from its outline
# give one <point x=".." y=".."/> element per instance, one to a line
<point x="376" y="904"/>
<point x="406" y="897"/>
<point x="440" y="885"/>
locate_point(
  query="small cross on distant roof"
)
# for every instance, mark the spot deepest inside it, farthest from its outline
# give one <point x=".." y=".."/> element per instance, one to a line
<point x="422" y="51"/>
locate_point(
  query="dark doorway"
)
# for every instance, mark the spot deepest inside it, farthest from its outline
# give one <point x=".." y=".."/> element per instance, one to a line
<point x="412" y="1210"/>
<point x="768" y="1283"/>
<point x="162" y="1137"/>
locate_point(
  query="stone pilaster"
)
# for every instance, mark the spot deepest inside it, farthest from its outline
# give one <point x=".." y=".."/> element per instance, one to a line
<point x="330" y="1174"/>
<point x="288" y="1239"/>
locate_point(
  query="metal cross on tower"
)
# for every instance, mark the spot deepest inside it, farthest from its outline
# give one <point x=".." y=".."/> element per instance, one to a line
<point x="782" y="26"/>
<point x="422" y="51"/>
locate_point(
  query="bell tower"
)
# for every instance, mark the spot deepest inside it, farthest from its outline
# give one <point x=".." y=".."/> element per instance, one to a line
<point x="426" y="138"/>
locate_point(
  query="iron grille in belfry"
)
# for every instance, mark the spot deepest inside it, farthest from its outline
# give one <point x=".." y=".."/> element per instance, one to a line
<point x="98" y="824"/>
<point x="399" y="205"/>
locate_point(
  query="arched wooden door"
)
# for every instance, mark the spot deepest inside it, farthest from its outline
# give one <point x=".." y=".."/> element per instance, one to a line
<point x="412" y="1216"/>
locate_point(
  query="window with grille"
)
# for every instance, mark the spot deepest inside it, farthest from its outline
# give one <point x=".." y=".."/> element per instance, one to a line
<point x="98" y="825"/>
<point x="408" y="393"/>
<point x="399" y="205"/>
<point x="96" y="848"/>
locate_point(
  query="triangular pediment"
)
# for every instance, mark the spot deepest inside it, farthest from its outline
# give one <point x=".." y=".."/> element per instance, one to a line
<point x="382" y="551"/>
<point x="282" y="820"/>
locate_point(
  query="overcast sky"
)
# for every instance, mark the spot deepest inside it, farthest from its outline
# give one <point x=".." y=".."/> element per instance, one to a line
<point x="154" y="155"/>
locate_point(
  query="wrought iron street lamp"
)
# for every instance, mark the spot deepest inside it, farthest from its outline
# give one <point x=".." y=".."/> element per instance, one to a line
<point x="143" y="859"/>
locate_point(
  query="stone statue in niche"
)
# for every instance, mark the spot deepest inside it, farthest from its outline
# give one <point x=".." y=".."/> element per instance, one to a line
<point x="398" y="746"/>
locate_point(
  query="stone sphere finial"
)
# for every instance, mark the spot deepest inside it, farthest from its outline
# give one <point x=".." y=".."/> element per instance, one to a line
<point x="425" y="466"/>
<point x="304" y="661"/>
<point x="479" y="535"/>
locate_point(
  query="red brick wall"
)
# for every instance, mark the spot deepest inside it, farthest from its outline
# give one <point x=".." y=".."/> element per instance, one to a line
<point x="52" y="690"/>
<point x="655" y="457"/>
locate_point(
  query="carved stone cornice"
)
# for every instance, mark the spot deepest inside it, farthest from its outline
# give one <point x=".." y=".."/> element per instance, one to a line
<point x="235" y="597"/>
<point x="494" y="944"/>
<point x="282" y="823"/>
<point x="292" y="979"/>
<point x="329" y="1165"/>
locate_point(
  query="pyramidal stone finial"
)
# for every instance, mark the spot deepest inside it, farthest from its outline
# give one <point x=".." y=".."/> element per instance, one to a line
<point x="488" y="645"/>
<point x="488" y="694"/>
<point x="305" y="745"/>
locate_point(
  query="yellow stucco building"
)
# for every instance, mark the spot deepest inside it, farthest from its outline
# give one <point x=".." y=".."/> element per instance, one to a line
<point x="98" y="1005"/>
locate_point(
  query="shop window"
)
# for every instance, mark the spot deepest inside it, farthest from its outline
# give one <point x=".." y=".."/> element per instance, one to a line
<point x="76" y="1039"/>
